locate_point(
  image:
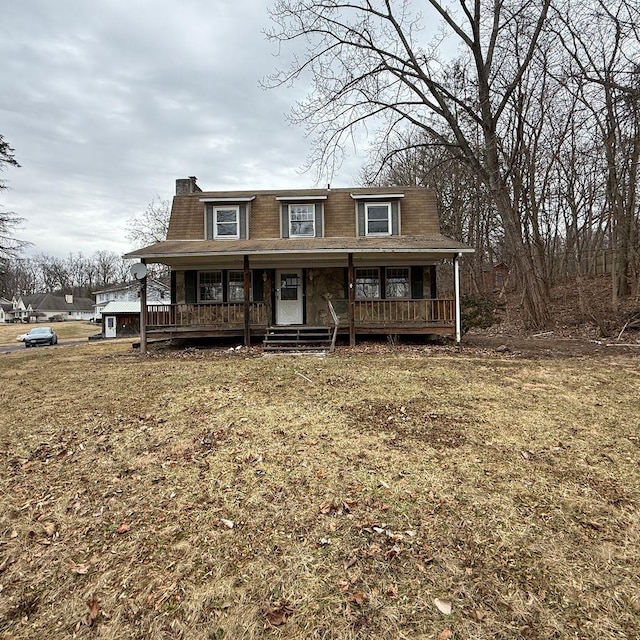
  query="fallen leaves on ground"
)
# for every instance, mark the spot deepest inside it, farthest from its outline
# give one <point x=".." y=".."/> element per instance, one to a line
<point x="278" y="615"/>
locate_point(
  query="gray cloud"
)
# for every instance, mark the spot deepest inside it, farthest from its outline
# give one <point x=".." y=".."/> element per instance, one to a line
<point x="106" y="103"/>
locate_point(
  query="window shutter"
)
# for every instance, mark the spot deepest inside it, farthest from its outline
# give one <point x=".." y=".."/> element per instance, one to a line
<point x="173" y="287"/>
<point x="258" y="286"/>
<point x="433" y="285"/>
<point x="417" y="283"/>
<point x="209" y="230"/>
<point x="284" y="224"/>
<point x="361" y="219"/>
<point x="190" y="286"/>
<point x="243" y="222"/>
<point x="319" y="229"/>
<point x="395" y="219"/>
<point x="225" y="283"/>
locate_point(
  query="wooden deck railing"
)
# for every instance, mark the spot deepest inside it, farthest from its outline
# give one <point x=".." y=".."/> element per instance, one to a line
<point x="336" y="323"/>
<point x="366" y="313"/>
<point x="215" y="314"/>
<point x="400" y="312"/>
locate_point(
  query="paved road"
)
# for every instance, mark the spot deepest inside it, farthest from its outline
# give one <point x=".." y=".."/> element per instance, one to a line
<point x="10" y="348"/>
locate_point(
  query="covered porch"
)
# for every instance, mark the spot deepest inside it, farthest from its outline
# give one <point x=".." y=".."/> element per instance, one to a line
<point x="352" y="293"/>
<point x="437" y="316"/>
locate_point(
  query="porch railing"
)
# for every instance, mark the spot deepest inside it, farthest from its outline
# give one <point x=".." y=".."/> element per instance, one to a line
<point x="215" y="314"/>
<point x="374" y="313"/>
<point x="439" y="311"/>
<point x="389" y="312"/>
<point x="336" y="323"/>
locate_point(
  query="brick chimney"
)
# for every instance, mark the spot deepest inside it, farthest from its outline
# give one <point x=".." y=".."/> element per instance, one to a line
<point x="185" y="186"/>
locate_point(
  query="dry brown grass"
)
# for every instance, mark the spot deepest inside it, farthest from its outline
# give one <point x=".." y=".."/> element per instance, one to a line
<point x="360" y="488"/>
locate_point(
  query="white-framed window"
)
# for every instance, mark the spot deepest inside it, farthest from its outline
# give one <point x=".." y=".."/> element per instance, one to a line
<point x="302" y="220"/>
<point x="377" y="220"/>
<point x="226" y="223"/>
<point x="235" y="287"/>
<point x="367" y="283"/>
<point x="397" y="282"/>
<point x="210" y="286"/>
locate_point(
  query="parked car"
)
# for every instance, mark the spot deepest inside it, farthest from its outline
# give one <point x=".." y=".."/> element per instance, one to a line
<point x="40" y="335"/>
<point x="21" y="337"/>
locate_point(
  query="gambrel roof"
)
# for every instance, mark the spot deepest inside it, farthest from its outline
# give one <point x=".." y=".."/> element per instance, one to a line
<point x="418" y="233"/>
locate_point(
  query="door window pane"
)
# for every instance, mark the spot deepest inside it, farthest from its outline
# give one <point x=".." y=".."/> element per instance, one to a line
<point x="289" y="283"/>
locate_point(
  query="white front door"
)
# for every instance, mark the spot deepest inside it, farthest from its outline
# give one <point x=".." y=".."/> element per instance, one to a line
<point x="110" y="327"/>
<point x="289" y="296"/>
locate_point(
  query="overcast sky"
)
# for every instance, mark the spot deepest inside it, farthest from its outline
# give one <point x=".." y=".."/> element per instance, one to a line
<point x="107" y="102"/>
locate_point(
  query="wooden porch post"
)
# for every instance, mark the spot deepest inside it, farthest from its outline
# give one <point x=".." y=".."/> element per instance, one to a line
<point x="143" y="314"/>
<point x="456" y="281"/>
<point x="352" y="298"/>
<point x="247" y="303"/>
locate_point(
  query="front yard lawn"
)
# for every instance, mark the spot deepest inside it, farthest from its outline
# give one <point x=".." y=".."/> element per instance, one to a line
<point x="205" y="494"/>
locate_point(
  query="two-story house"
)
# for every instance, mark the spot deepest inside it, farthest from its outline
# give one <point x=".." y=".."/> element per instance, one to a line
<point x="129" y="292"/>
<point x="362" y="260"/>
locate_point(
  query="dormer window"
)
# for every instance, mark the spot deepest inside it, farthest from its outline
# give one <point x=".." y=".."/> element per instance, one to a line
<point x="378" y="214"/>
<point x="378" y="219"/>
<point x="226" y="223"/>
<point x="301" y="216"/>
<point x="226" y="218"/>
<point x="302" y="220"/>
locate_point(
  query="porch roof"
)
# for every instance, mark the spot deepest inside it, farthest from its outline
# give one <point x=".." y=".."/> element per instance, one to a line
<point x="436" y="244"/>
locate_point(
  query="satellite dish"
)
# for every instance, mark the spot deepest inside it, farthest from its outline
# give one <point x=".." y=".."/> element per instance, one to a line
<point x="138" y="270"/>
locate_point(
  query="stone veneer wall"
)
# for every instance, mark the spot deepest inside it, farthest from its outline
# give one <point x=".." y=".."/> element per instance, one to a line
<point x="325" y="281"/>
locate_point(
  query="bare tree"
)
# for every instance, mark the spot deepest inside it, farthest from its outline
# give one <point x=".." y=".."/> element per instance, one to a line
<point x="108" y="268"/>
<point x="465" y="209"/>
<point x="603" y="41"/>
<point x="152" y="225"/>
<point x="370" y="66"/>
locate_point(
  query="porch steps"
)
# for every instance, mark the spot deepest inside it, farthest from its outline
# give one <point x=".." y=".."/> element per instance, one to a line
<point x="300" y="339"/>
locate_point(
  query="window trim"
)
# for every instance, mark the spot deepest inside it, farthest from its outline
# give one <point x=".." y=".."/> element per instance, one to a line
<point x="389" y="231"/>
<point x="215" y="209"/>
<point x="386" y="283"/>
<point x="229" y="281"/>
<point x="312" y="207"/>
<point x="199" y="290"/>
<point x="377" y="270"/>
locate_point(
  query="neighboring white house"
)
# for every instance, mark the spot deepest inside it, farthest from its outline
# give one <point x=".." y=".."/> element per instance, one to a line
<point x="44" y="307"/>
<point x="130" y="292"/>
<point x="18" y="311"/>
<point x="5" y="307"/>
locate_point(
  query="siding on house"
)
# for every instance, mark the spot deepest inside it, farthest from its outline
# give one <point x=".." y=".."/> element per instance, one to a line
<point x="417" y="212"/>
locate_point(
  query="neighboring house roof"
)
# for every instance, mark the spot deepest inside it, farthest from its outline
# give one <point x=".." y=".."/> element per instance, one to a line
<point x="121" y="306"/>
<point x="51" y="303"/>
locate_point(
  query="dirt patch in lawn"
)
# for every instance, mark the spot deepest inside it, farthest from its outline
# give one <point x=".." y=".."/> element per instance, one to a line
<point x="418" y="492"/>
